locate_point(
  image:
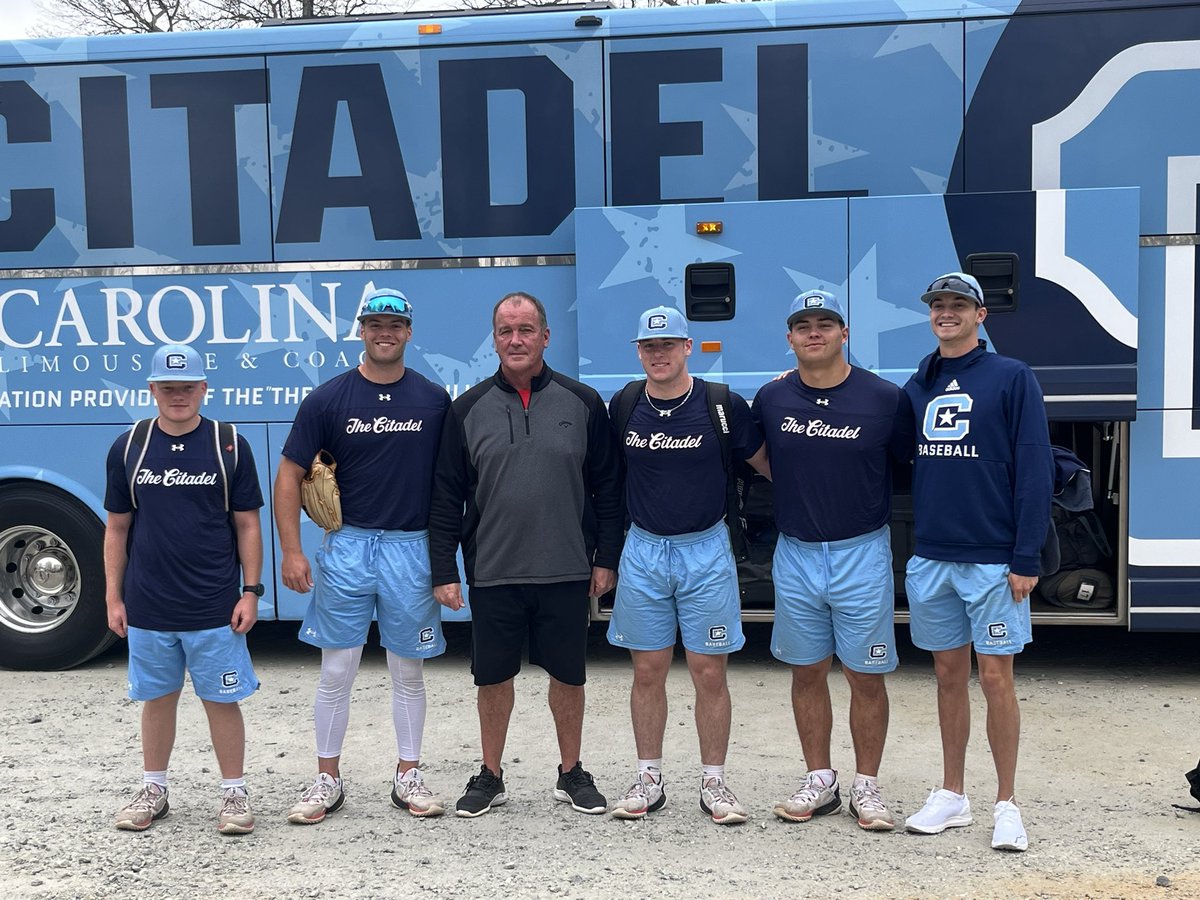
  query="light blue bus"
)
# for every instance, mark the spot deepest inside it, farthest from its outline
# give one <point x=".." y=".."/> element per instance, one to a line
<point x="243" y="190"/>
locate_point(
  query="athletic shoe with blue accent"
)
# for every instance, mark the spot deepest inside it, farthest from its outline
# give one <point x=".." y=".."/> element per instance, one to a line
<point x="813" y="799"/>
<point x="645" y="796"/>
<point x="944" y="809"/>
<point x="1009" y="831"/>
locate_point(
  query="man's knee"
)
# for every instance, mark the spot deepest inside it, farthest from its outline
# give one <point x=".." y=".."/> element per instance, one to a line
<point x="996" y="677"/>
<point x="811" y="675"/>
<point x="708" y="674"/>
<point x="866" y="685"/>
<point x="952" y="667"/>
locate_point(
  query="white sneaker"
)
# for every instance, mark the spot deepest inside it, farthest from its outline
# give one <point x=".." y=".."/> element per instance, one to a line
<point x="325" y="796"/>
<point x="868" y="806"/>
<point x="813" y="799"/>
<point x="410" y="792"/>
<point x="645" y="796"/>
<point x="718" y="801"/>
<point x="1009" y="831"/>
<point x="944" y="809"/>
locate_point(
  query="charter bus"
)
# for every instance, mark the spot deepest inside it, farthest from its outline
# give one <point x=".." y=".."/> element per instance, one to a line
<point x="242" y="190"/>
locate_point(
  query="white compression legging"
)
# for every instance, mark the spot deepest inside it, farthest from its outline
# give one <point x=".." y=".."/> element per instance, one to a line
<point x="332" y="708"/>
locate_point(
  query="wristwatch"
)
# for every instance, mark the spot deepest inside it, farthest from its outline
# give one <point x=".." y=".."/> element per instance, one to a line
<point x="256" y="589"/>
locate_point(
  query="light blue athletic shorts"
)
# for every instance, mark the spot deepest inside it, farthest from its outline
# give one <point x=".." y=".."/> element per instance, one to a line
<point x="365" y="572"/>
<point x="835" y="597"/>
<point x="689" y="580"/>
<point x="217" y="659"/>
<point x="953" y="604"/>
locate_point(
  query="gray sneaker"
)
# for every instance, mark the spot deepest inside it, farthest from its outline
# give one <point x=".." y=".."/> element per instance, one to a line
<point x="868" y="806"/>
<point x="325" y="796"/>
<point x="147" y="806"/>
<point x="718" y="801"/>
<point x="813" y="799"/>
<point x="235" y="816"/>
<point x="410" y="792"/>
<point x="645" y="796"/>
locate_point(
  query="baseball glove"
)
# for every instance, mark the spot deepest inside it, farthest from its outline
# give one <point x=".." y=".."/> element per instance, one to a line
<point x="319" y="494"/>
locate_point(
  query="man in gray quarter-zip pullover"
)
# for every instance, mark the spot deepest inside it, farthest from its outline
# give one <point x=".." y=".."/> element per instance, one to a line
<point x="527" y="480"/>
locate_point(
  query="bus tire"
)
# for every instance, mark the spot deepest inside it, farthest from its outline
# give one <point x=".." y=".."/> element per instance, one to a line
<point x="52" y="611"/>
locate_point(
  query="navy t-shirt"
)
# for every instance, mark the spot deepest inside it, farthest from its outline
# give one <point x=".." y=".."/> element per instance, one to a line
<point x="832" y="451"/>
<point x="183" y="572"/>
<point x="384" y="438"/>
<point x="674" y="479"/>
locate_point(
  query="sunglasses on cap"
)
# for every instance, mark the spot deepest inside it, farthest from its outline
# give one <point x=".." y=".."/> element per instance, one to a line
<point x="387" y="306"/>
<point x="955" y="285"/>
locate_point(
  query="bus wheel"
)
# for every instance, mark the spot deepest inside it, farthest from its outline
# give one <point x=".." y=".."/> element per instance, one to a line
<point x="52" y="613"/>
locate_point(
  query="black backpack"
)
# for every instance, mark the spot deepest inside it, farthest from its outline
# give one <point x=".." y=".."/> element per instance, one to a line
<point x="720" y="411"/>
<point x="225" y="445"/>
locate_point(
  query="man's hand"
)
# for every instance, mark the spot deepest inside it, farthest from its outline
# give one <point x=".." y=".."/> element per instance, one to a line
<point x="449" y="595"/>
<point x="602" y="581"/>
<point x="117" y="623"/>
<point x="1021" y="586"/>
<point x="245" y="614"/>
<point x="297" y="574"/>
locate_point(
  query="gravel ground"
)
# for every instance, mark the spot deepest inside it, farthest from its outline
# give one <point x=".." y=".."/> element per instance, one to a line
<point x="1109" y="728"/>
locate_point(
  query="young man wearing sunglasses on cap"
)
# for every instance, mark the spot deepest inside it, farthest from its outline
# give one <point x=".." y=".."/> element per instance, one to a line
<point x="982" y="480"/>
<point x="381" y="423"/>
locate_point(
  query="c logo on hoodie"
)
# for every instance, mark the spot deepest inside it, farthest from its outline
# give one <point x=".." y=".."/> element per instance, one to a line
<point x="945" y="418"/>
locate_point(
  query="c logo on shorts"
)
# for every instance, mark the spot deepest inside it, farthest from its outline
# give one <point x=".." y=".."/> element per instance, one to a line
<point x="997" y="630"/>
<point x="229" y="679"/>
<point x="878" y="651"/>
<point x="718" y="633"/>
<point x="426" y="636"/>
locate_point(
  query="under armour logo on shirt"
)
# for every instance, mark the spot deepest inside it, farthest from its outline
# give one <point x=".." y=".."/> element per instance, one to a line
<point x="175" y="447"/>
<point x="385" y="396"/>
<point x="823" y="401"/>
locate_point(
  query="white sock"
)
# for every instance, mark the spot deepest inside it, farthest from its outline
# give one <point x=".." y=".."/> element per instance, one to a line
<point x="860" y="780"/>
<point x="825" y="776"/>
<point x="708" y="772"/>
<point x="227" y="783"/>
<point x="651" y="767"/>
<point x="156" y="778"/>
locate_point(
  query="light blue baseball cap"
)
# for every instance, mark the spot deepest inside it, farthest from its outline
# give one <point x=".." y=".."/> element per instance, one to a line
<point x="960" y="284"/>
<point x="661" y="322"/>
<point x="386" y="302"/>
<point x="176" y="362"/>
<point x="815" y="302"/>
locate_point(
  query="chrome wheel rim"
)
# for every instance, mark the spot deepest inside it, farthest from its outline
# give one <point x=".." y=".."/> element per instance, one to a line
<point x="39" y="579"/>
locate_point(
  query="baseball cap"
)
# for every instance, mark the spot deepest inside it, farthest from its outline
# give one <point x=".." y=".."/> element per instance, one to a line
<point x="960" y="284"/>
<point x="386" y="302"/>
<point x="813" y="302"/>
<point x="661" y="322"/>
<point x="176" y="362"/>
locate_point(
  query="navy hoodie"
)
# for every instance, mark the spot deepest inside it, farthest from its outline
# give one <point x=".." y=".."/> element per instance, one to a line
<point x="983" y="473"/>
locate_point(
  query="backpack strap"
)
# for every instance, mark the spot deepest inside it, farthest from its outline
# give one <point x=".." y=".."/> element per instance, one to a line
<point x="135" y="452"/>
<point x="720" y="410"/>
<point x="226" y="439"/>
<point x="626" y="400"/>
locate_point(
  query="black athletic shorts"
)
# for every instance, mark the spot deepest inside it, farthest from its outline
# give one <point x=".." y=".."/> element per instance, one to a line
<point x="554" y="616"/>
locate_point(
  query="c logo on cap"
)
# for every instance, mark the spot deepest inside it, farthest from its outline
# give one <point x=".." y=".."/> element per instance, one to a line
<point x="657" y="321"/>
<point x="814" y="302"/>
<point x="176" y="361"/>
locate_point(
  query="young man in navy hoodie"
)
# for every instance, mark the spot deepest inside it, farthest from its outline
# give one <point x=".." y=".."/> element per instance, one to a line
<point x="982" y="481"/>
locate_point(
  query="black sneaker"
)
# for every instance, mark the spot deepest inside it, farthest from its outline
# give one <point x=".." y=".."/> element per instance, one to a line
<point x="579" y="789"/>
<point x="484" y="791"/>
